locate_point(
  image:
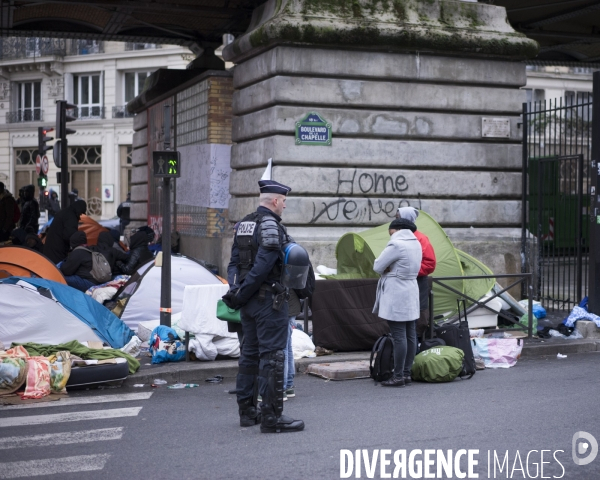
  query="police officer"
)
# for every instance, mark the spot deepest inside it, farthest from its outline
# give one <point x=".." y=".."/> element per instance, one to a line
<point x="254" y="276"/>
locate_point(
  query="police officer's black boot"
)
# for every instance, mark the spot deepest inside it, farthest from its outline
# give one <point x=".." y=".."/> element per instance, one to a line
<point x="249" y="414"/>
<point x="273" y="421"/>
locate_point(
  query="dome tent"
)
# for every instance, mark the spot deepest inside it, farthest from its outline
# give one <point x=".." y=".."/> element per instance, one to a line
<point x="43" y="311"/>
<point x="139" y="299"/>
<point x="17" y="261"/>
<point x="356" y="253"/>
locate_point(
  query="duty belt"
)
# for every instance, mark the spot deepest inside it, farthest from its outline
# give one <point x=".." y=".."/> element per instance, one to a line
<point x="265" y="287"/>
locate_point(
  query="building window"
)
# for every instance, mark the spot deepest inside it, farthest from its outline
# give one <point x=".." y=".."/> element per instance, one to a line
<point x="87" y="95"/>
<point x="134" y="84"/>
<point x="86" y="176"/>
<point x="29" y="102"/>
<point x="25" y="169"/>
<point x="126" y="152"/>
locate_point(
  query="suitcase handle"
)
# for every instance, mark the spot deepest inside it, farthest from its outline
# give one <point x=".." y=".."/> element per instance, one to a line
<point x="464" y="306"/>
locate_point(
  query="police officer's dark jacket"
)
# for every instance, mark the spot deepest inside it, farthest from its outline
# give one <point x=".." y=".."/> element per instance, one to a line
<point x="256" y="253"/>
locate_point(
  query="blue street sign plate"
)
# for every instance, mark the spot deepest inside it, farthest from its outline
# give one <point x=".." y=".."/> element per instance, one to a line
<point x="313" y="130"/>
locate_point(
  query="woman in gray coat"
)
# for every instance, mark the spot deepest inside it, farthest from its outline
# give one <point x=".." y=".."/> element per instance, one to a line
<point x="398" y="296"/>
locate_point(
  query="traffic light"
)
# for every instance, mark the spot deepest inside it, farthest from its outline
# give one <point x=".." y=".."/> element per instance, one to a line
<point x="166" y="164"/>
<point x="42" y="139"/>
<point x="42" y="181"/>
<point x="62" y="118"/>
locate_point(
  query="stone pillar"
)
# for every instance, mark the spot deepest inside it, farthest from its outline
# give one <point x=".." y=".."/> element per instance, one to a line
<point x="412" y="91"/>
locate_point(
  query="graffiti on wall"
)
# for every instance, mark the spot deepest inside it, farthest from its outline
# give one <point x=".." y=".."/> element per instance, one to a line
<point x="369" y="182"/>
<point x="362" y="209"/>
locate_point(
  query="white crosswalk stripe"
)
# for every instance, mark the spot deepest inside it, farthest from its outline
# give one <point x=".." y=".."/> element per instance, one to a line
<point x="37" y="444"/>
<point x="69" y="417"/>
<point x="65" y="402"/>
<point x="65" y="438"/>
<point x="51" y="466"/>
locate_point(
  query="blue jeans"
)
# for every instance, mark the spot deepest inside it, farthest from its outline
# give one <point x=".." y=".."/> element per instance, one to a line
<point x="405" y="346"/>
<point x="289" y="369"/>
<point x="79" y="283"/>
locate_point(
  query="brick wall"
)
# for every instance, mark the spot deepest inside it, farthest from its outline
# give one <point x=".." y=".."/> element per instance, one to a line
<point x="219" y="110"/>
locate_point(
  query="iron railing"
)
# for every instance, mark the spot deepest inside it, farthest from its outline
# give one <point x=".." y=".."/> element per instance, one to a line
<point x="13" y="48"/>
<point x="27" y="115"/>
<point x="85" y="47"/>
<point x="121" y="112"/>
<point x="85" y="113"/>
<point x="129" y="46"/>
<point x="557" y="144"/>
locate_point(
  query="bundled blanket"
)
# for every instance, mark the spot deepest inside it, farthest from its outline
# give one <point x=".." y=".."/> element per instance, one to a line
<point x="81" y="351"/>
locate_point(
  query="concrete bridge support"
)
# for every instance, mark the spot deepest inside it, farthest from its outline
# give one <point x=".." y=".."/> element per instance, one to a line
<point x="423" y="99"/>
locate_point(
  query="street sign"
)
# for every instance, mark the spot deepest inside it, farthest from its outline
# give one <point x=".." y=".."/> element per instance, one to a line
<point x="166" y="164"/>
<point x="313" y="130"/>
<point x="44" y="165"/>
<point x="38" y="164"/>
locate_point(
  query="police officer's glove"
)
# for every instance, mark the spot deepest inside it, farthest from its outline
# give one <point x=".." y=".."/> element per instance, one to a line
<point x="230" y="299"/>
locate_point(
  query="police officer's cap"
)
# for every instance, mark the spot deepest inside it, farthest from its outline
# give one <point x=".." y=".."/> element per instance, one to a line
<point x="271" y="186"/>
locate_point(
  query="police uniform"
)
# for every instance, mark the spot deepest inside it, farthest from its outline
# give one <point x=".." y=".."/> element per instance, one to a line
<point x="254" y="274"/>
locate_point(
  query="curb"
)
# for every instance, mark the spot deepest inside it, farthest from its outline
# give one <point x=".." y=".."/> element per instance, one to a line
<point x="197" y="372"/>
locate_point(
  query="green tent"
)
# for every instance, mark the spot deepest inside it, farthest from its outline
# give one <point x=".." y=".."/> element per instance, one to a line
<point x="356" y="253"/>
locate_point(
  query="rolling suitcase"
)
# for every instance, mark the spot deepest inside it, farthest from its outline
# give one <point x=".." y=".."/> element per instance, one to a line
<point x="458" y="336"/>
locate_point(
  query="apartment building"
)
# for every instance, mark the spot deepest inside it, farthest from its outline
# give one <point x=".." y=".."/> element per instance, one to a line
<point x="99" y="78"/>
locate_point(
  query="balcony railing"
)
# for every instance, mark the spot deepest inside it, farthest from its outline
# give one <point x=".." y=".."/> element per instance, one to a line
<point x="12" y="48"/>
<point x="121" y="112"/>
<point x="87" y="113"/>
<point x="140" y="46"/>
<point x="85" y="47"/>
<point x="27" y="115"/>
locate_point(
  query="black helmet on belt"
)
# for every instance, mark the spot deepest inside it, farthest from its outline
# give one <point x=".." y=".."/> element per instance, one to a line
<point x="295" y="266"/>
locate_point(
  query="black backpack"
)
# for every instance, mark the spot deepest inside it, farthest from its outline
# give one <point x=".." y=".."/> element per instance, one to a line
<point x="381" y="365"/>
<point x="458" y="336"/>
<point x="430" y="343"/>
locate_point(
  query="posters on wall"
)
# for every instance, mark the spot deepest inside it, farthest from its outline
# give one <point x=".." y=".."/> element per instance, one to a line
<point x="205" y="171"/>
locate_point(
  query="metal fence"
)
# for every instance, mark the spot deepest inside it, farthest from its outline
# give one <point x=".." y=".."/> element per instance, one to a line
<point x="25" y="115"/>
<point x="12" y="48"/>
<point x="121" y="112"/>
<point x="557" y="143"/>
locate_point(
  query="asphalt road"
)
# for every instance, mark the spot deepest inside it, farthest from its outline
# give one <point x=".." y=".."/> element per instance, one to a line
<point x="194" y="433"/>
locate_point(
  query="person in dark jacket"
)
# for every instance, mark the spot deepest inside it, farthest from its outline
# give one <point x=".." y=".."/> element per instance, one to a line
<point x="139" y="253"/>
<point x="65" y="224"/>
<point x="7" y="213"/>
<point x="30" y="213"/>
<point x="112" y="255"/>
<point x="123" y="213"/>
<point x="53" y="204"/>
<point x="77" y="268"/>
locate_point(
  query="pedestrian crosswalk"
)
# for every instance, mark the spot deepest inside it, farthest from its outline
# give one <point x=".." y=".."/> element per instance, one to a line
<point x="35" y="466"/>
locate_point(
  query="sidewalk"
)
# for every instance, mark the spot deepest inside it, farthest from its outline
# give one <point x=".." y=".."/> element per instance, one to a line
<point x="196" y="372"/>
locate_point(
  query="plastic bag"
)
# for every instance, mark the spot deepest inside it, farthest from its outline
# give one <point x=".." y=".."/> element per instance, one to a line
<point x="498" y="352"/>
<point x="165" y="345"/>
<point x="133" y="347"/>
<point x="302" y="345"/>
<point x="60" y="371"/>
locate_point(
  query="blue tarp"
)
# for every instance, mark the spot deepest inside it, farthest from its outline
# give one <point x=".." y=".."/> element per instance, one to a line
<point x="102" y="321"/>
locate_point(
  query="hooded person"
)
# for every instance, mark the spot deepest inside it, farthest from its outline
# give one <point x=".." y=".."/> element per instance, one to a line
<point x="8" y="206"/>
<point x="30" y="213"/>
<point x="428" y="264"/>
<point x="105" y="247"/>
<point x="53" y="204"/>
<point x="139" y="252"/>
<point x="64" y="225"/>
<point x="77" y="268"/>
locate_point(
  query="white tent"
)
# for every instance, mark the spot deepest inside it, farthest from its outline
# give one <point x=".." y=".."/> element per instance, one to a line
<point x="28" y="316"/>
<point x="142" y="291"/>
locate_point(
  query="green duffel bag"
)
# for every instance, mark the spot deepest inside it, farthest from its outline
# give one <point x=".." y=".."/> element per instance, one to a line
<point x="438" y="364"/>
